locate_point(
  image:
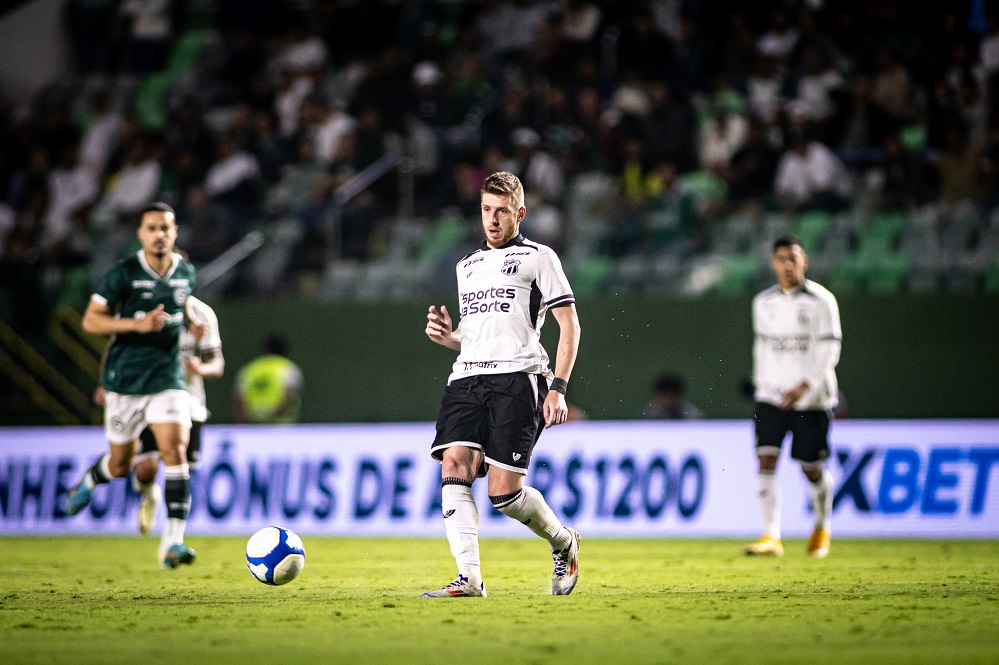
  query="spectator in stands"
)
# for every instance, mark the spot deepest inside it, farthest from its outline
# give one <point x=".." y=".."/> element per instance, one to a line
<point x="892" y="89"/>
<point x="328" y="123"/>
<point x="541" y="173"/>
<point x="72" y="190"/>
<point x="672" y="220"/>
<point x="721" y="136"/>
<point x="101" y="135"/>
<point x="961" y="170"/>
<point x="232" y="186"/>
<point x="810" y="176"/>
<point x="668" y="401"/>
<point x="148" y="32"/>
<point x="299" y="194"/>
<point x="750" y="174"/>
<point x="670" y="127"/>
<point x="817" y="92"/>
<point x="901" y="177"/>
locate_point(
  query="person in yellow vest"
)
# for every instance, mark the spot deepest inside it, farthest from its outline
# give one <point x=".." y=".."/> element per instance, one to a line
<point x="269" y="389"/>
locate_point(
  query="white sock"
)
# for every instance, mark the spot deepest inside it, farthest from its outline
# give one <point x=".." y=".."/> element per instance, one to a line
<point x="461" y="524"/>
<point x="529" y="508"/>
<point x="173" y="533"/>
<point x="141" y="487"/>
<point x="103" y="468"/>
<point x="822" y="497"/>
<point x="769" y="494"/>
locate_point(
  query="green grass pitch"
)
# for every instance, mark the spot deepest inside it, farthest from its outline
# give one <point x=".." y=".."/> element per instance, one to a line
<point x="103" y="600"/>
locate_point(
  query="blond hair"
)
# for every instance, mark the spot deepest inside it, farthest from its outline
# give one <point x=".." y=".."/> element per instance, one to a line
<point x="504" y="183"/>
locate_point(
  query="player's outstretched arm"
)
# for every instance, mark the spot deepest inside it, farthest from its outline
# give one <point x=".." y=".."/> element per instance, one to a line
<point x="555" y="408"/>
<point x="439" y="329"/>
<point x="97" y="320"/>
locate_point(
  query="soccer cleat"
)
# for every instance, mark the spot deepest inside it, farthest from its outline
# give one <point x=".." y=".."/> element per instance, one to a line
<point x="765" y="546"/>
<point x="460" y="588"/>
<point x="178" y="554"/>
<point x="78" y="498"/>
<point x="566" y="571"/>
<point x="818" y="544"/>
<point x="147" y="508"/>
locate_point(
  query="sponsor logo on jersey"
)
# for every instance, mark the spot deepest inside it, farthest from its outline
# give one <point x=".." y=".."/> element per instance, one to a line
<point x="480" y="365"/>
<point x="471" y="261"/>
<point x="179" y="282"/>
<point x="510" y="267"/>
<point x="143" y="284"/>
<point x="488" y="300"/>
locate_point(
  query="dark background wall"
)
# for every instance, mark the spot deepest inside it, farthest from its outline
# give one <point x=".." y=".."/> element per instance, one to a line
<point x="932" y="356"/>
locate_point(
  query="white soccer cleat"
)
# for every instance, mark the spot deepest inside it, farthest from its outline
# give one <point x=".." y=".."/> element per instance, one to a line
<point x="566" y="571"/>
<point x="460" y="588"/>
<point x="148" y="506"/>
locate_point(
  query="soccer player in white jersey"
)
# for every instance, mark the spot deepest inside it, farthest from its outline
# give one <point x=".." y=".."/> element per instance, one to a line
<point x="501" y="392"/>
<point x="797" y="345"/>
<point x="201" y="358"/>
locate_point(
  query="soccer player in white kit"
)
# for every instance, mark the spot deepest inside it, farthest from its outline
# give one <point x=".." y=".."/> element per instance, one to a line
<point x="796" y="349"/>
<point x="501" y="392"/>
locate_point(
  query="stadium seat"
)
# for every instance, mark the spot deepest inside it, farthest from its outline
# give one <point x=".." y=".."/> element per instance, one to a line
<point x="992" y="278"/>
<point x="811" y="228"/>
<point x="739" y="273"/>
<point x="444" y="235"/>
<point x="888" y="274"/>
<point x="591" y="274"/>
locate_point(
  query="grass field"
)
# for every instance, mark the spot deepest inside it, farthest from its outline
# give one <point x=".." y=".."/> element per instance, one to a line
<point x="102" y="600"/>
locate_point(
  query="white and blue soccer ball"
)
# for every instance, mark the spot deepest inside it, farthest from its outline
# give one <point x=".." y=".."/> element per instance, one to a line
<point x="275" y="555"/>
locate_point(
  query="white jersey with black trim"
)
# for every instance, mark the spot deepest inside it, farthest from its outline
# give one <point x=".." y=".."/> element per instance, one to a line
<point x="797" y="337"/>
<point x="191" y="347"/>
<point x="503" y="295"/>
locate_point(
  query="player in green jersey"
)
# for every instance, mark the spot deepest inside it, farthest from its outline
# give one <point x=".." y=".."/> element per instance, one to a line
<point x="143" y="302"/>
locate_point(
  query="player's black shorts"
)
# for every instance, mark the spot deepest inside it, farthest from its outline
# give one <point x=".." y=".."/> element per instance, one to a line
<point x="500" y="414"/>
<point x="809" y="432"/>
<point x="147" y="443"/>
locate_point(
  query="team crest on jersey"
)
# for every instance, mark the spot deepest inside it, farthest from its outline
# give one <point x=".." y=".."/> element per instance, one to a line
<point x="510" y="267"/>
<point x="179" y="296"/>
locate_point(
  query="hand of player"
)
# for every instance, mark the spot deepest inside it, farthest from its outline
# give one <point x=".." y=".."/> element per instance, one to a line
<point x="197" y="329"/>
<point x="791" y="397"/>
<point x="193" y="366"/>
<point x="99" y="396"/>
<point x="151" y="321"/>
<point x="555" y="408"/>
<point x="439" y="326"/>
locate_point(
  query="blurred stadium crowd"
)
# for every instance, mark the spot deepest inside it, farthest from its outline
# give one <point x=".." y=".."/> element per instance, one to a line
<point x="663" y="143"/>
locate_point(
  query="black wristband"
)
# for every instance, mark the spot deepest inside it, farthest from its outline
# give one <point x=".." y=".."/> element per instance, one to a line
<point x="559" y="385"/>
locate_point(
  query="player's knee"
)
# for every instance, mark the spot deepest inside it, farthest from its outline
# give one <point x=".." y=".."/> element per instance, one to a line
<point x="767" y="463"/>
<point x="145" y="469"/>
<point x="118" y="467"/>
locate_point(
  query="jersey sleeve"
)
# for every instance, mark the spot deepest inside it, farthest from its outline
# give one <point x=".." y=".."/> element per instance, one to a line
<point x="552" y="282"/>
<point x="112" y="289"/>
<point x="212" y="341"/>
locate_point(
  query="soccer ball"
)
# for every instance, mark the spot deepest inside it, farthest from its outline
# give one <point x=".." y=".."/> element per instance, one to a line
<point x="275" y="555"/>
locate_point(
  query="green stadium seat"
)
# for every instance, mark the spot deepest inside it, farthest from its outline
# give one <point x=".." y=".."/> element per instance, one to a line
<point x="739" y="273"/>
<point x="850" y="275"/>
<point x="812" y="227"/>
<point x="591" y="274"/>
<point x="882" y="233"/>
<point x="888" y="274"/>
<point x="992" y="278"/>
<point x="444" y="235"/>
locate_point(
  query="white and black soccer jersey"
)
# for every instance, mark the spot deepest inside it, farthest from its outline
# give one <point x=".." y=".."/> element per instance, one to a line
<point x="797" y="337"/>
<point x="503" y="295"/>
<point x="191" y="347"/>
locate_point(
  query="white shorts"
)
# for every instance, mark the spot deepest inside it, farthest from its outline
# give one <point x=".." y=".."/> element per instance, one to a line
<point x="125" y="416"/>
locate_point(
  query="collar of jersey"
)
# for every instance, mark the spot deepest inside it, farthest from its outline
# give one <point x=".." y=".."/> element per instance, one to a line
<point x="174" y="261"/>
<point x="516" y="240"/>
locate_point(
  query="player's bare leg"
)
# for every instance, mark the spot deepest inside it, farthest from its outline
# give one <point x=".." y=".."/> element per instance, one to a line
<point x="171" y="438"/>
<point x="459" y="466"/>
<point x="114" y="464"/>
<point x="821" y="486"/>
<point x="527" y="505"/>
<point x="144" y="483"/>
<point x="769" y="496"/>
